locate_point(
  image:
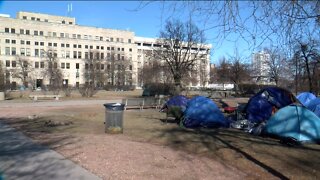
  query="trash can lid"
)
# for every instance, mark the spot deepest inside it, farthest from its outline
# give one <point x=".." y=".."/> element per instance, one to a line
<point x="114" y="106"/>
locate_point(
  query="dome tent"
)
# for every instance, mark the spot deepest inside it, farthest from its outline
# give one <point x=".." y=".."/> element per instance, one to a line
<point x="203" y="112"/>
<point x="305" y="98"/>
<point x="294" y="121"/>
<point x="259" y="107"/>
<point x="314" y="106"/>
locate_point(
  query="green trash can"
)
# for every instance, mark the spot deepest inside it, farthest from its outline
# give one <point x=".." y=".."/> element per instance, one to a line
<point x="114" y="118"/>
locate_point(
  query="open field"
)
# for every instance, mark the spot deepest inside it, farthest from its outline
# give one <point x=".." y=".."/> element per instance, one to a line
<point x="149" y="148"/>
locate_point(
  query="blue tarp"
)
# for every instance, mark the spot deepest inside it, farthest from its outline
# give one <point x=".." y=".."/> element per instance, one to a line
<point x="314" y="106"/>
<point x="305" y="98"/>
<point x="178" y="100"/>
<point x="203" y="112"/>
<point x="295" y="122"/>
<point x="259" y="107"/>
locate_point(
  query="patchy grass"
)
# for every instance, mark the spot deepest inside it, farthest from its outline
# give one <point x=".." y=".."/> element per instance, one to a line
<point x="246" y="152"/>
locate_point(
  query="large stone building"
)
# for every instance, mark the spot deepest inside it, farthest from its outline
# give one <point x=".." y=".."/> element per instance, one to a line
<point x="30" y="36"/>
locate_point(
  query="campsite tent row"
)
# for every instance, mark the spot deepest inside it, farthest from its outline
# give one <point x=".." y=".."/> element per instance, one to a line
<point x="279" y="109"/>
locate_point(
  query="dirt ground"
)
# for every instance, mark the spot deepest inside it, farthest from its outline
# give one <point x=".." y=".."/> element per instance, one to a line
<point x="152" y="149"/>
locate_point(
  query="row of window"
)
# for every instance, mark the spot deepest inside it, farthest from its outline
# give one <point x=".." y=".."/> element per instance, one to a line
<point x="50" y="44"/>
<point x="65" y="35"/>
<point x="45" y="20"/>
<point x="65" y="54"/>
<point x="63" y="65"/>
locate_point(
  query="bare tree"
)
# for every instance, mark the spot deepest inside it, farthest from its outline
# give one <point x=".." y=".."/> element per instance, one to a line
<point x="53" y="71"/>
<point x="239" y="72"/>
<point x="2" y="77"/>
<point x="307" y="62"/>
<point x="94" y="74"/>
<point x="182" y="47"/>
<point x="22" y="70"/>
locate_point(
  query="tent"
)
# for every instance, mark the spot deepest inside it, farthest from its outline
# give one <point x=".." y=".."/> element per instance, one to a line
<point x="175" y="106"/>
<point x="306" y="97"/>
<point x="294" y="121"/>
<point x="203" y="112"/>
<point x="261" y="105"/>
<point x="178" y="100"/>
<point x="314" y="106"/>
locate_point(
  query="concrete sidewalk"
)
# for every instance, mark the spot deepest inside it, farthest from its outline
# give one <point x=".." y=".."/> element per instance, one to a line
<point x="20" y="158"/>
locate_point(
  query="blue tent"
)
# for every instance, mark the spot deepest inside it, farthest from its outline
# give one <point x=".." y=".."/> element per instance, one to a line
<point x="259" y="107"/>
<point x="178" y="100"/>
<point x="314" y="106"/>
<point x="296" y="122"/>
<point x="306" y="97"/>
<point x="203" y="112"/>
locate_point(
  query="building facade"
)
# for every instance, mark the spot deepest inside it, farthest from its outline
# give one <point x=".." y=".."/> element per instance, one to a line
<point x="261" y="68"/>
<point x="29" y="36"/>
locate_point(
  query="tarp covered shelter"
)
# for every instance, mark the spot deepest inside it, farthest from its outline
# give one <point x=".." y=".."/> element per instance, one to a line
<point x="306" y="97"/>
<point x="260" y="106"/>
<point x="178" y="100"/>
<point x="314" y="106"/>
<point x="203" y="112"/>
<point x="294" y="121"/>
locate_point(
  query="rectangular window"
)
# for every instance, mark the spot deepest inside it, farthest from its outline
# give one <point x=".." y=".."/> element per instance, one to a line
<point x="54" y="34"/>
<point x="8" y="41"/>
<point x="27" y="32"/>
<point x="28" y="42"/>
<point x="74" y="46"/>
<point x="67" y="54"/>
<point x="97" y="47"/>
<point x="63" y="54"/>
<point x="79" y="54"/>
<point x="62" y="35"/>
<point x="36" y="52"/>
<point x="67" y="45"/>
<point x="63" y="65"/>
<point x="119" y="49"/>
<point x="86" y="46"/>
<point x="129" y="40"/>
<point x="118" y="55"/>
<point x="86" y="55"/>
<point x="13" y="64"/>
<point x="49" y="33"/>
<point x="55" y="65"/>
<point x="130" y="67"/>
<point x="108" y="48"/>
<point x="101" y="38"/>
<point x="22" y="52"/>
<point x="74" y="36"/>
<point x="79" y="45"/>
<point x="102" y="66"/>
<point x="111" y="39"/>
<point x="117" y="39"/>
<point x="7" y="51"/>
<point x="79" y="36"/>
<point x="41" y="33"/>
<point x="33" y="18"/>
<point x="68" y="65"/>
<point x="7" y="63"/>
<point x="62" y="44"/>
<point x="77" y="65"/>
<point x="130" y="49"/>
<point x="74" y="54"/>
<point x="13" y="31"/>
<point x="49" y="44"/>
<point x="46" y="20"/>
<point x="122" y="49"/>
<point x="24" y="17"/>
<point x="36" y="43"/>
<point x="67" y="35"/>
<point x="28" y="52"/>
<point x="112" y="48"/>
<point x="102" y="48"/>
<point x="36" y="64"/>
<point x="13" y="51"/>
<point x="55" y="44"/>
<point x="42" y="64"/>
<point x="6" y="30"/>
<point x="42" y="53"/>
<point x="35" y="33"/>
<point x="38" y="19"/>
<point x="91" y="47"/>
<point x="102" y="55"/>
<point x="22" y="42"/>
<point x="21" y="31"/>
<point x="41" y="43"/>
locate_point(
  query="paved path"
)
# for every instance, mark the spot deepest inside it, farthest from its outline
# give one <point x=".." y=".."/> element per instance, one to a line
<point x="20" y="158"/>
